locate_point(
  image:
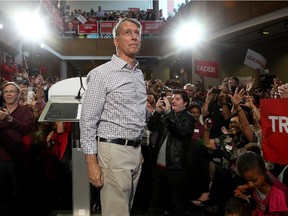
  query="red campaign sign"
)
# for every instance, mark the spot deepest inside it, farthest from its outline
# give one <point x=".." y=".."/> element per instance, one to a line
<point x="206" y="68"/>
<point x="274" y="123"/>
<point x="151" y="27"/>
<point x="88" y="28"/>
<point x="106" y="27"/>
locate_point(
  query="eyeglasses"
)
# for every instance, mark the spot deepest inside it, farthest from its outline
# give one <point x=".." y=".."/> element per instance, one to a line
<point x="10" y="92"/>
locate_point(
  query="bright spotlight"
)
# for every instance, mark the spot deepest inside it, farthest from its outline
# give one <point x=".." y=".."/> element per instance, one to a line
<point x="31" y="26"/>
<point x="189" y="34"/>
<point x="42" y="45"/>
<point x="1" y="26"/>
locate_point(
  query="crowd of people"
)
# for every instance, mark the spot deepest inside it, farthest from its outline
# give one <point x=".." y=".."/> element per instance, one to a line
<point x="207" y="172"/>
<point x="202" y="148"/>
<point x="34" y="156"/>
<point x="71" y="17"/>
<point x="100" y="15"/>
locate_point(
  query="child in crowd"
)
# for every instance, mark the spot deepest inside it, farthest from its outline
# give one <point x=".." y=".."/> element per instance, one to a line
<point x="270" y="195"/>
<point x="237" y="207"/>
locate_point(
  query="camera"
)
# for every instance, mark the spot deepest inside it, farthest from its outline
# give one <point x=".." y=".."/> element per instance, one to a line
<point x="243" y="101"/>
<point x="216" y="91"/>
<point x="21" y="80"/>
<point x="163" y="94"/>
<point x="208" y="122"/>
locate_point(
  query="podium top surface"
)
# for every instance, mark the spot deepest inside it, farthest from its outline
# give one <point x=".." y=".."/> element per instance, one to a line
<point x="62" y="104"/>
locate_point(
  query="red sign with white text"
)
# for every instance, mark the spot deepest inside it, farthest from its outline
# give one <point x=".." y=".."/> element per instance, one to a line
<point x="106" y="27"/>
<point x="88" y="28"/>
<point x="206" y="68"/>
<point x="274" y="123"/>
<point x="151" y="27"/>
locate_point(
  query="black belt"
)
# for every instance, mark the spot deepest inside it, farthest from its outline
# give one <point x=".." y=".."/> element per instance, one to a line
<point x="134" y="143"/>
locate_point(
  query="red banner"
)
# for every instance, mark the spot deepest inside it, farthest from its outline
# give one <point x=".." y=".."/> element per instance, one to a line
<point x="106" y="27"/>
<point x="274" y="123"/>
<point x="207" y="68"/>
<point x="88" y="28"/>
<point x="151" y="27"/>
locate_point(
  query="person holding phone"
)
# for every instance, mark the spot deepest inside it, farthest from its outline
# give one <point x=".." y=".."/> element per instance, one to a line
<point x="217" y="107"/>
<point x="175" y="128"/>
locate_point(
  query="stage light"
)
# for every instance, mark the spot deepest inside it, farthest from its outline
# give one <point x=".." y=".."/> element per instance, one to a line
<point x="189" y="34"/>
<point x="264" y="33"/>
<point x="31" y="26"/>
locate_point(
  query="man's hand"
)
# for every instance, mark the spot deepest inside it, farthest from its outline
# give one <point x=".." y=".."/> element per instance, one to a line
<point x="163" y="104"/>
<point x="283" y="90"/>
<point x="95" y="175"/>
<point x="209" y="96"/>
<point x="4" y="114"/>
<point x="249" y="84"/>
<point x="236" y="98"/>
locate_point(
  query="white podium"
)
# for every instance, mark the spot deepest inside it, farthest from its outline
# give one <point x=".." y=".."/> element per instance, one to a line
<point x="63" y="105"/>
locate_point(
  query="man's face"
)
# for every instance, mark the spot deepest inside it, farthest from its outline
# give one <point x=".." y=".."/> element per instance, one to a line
<point x="178" y="103"/>
<point x="129" y="41"/>
<point x="10" y="95"/>
<point x="190" y="92"/>
<point x="38" y="81"/>
<point x="23" y="88"/>
<point x="70" y="25"/>
<point x="197" y="85"/>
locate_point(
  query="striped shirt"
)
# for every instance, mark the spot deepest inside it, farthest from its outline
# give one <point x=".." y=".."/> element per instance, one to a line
<point x="114" y="104"/>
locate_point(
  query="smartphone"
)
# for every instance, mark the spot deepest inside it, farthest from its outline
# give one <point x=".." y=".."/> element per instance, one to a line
<point x="30" y="96"/>
<point x="216" y="91"/>
<point x="163" y="94"/>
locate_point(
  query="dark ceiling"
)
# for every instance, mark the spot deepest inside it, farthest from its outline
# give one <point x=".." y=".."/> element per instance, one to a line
<point x="273" y="34"/>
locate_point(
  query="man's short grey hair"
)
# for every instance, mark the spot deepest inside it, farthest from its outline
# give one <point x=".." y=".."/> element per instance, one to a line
<point x="116" y="29"/>
<point x="189" y="84"/>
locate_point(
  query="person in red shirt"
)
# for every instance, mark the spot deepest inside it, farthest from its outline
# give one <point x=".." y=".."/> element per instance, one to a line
<point x="15" y="122"/>
<point x="9" y="69"/>
<point x="270" y="195"/>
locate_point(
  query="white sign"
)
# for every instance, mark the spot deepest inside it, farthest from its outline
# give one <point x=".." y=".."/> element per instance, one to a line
<point x="255" y="60"/>
<point x="82" y="19"/>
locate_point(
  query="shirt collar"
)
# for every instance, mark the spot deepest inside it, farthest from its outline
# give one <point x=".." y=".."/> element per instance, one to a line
<point x="123" y="64"/>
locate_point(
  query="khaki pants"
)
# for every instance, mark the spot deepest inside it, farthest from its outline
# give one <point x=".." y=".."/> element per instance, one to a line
<point x="121" y="166"/>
